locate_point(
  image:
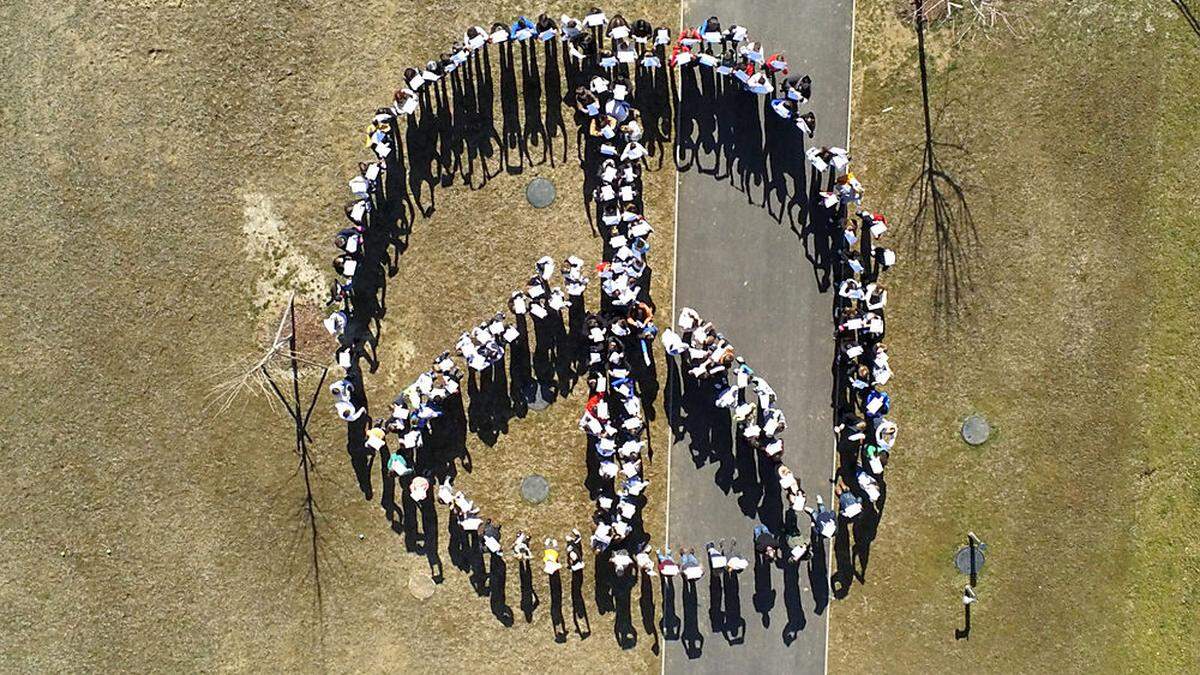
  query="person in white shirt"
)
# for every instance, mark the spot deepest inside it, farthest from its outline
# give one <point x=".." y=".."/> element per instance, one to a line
<point x="342" y="389"/>
<point x="335" y="323"/>
<point x="347" y="411"/>
<point x="550" y="564"/>
<point x="885" y="433"/>
<point x="690" y="565"/>
<point x="876" y="296"/>
<point x="621" y="562"/>
<point x="716" y="555"/>
<point x="571" y="27"/>
<point x="851" y="289"/>
<point x="734" y="563"/>
<point x="594" y="18"/>
<point x="573" y="276"/>
<point x="418" y="489"/>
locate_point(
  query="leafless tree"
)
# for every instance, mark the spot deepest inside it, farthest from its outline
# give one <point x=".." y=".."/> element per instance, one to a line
<point x="939" y="208"/>
<point x="251" y="375"/>
<point x="283" y="359"/>
<point x="969" y="18"/>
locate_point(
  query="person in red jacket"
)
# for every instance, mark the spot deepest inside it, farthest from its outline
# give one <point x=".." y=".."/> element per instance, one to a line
<point x="777" y="63"/>
<point x="681" y="55"/>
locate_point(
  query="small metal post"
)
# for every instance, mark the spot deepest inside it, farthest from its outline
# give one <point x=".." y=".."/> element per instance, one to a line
<point x="972" y="541"/>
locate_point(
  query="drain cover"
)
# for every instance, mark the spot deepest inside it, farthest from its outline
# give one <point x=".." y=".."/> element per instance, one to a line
<point x="535" y="489"/>
<point x="975" y="430"/>
<point x="962" y="559"/>
<point x="540" y="192"/>
<point x="420" y="585"/>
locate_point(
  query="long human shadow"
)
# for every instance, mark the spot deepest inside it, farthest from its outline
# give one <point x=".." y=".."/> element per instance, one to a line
<point x="420" y="140"/>
<point x="535" y="133"/>
<point x="579" y="613"/>
<point x="792" y="601"/>
<point x="818" y="576"/>
<point x="764" y="589"/>
<point x="466" y="123"/>
<point x="553" y="123"/>
<point x="485" y="139"/>
<point x="623" y="628"/>
<point x="429" y="523"/>
<point x="513" y="140"/>
<point x="556" y="609"/>
<point x="716" y="597"/>
<point x="449" y="149"/>
<point x="646" y="608"/>
<point x="691" y="637"/>
<point x="653" y="98"/>
<point x="733" y="623"/>
<point x="852" y="545"/>
<point x="529" y="597"/>
<point x="499" y="605"/>
<point x="670" y="622"/>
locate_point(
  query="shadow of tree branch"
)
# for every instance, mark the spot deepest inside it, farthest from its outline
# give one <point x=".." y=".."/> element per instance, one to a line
<point x="937" y="201"/>
<point x="1188" y="15"/>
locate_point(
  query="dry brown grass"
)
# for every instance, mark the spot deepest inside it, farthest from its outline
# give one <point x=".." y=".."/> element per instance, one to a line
<point x="137" y="137"/>
<point x="1063" y="343"/>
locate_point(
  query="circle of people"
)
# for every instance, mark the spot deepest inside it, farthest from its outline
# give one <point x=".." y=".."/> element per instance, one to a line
<point x="613" y="417"/>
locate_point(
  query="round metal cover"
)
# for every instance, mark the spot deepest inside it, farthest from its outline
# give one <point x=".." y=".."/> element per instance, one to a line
<point x="540" y="193"/>
<point x="537" y="396"/>
<point x="975" y="430"/>
<point x="420" y="585"/>
<point x="535" y="489"/>
<point x="962" y="559"/>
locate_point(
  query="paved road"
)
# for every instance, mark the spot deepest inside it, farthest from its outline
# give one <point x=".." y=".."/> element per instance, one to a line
<point x="748" y="272"/>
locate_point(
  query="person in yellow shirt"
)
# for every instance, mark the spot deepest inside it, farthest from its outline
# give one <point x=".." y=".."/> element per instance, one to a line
<point x="550" y="562"/>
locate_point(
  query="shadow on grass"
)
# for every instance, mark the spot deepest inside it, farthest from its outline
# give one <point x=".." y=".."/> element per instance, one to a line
<point x="940" y="209"/>
<point x="1188" y="16"/>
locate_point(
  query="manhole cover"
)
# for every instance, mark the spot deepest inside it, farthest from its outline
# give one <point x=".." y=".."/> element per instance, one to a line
<point x="975" y="430"/>
<point x="540" y="193"/>
<point x="535" y="489"/>
<point x="537" y="396"/>
<point x="962" y="559"/>
<point x="420" y="585"/>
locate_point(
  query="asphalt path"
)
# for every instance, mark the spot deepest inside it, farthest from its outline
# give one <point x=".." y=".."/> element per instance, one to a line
<point x="750" y="260"/>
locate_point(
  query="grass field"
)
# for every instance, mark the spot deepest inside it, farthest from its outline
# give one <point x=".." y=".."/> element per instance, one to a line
<point x="1073" y="341"/>
<point x="171" y="172"/>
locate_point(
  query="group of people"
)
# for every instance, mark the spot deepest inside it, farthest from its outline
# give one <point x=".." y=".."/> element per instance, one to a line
<point x="615" y="423"/>
<point x="613" y="418"/>
<point x="733" y="55"/>
<point x="707" y="356"/>
<point x="866" y="435"/>
<point x="614" y="130"/>
<point x="413" y="411"/>
<point x="540" y="299"/>
<point x="481" y="348"/>
<point x="351" y="244"/>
